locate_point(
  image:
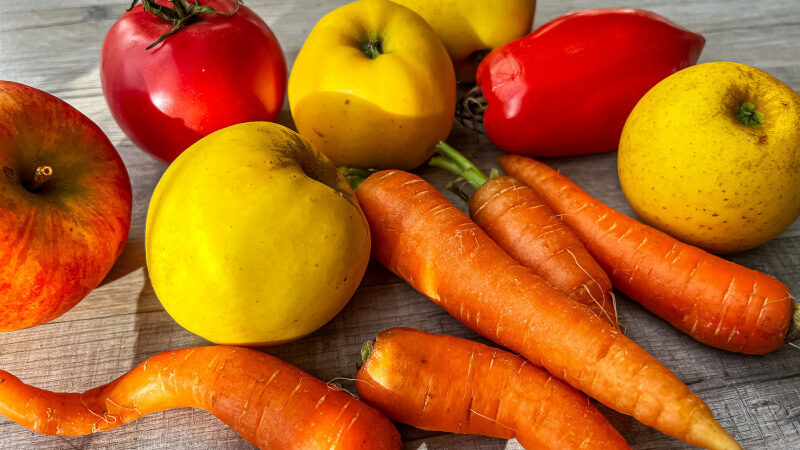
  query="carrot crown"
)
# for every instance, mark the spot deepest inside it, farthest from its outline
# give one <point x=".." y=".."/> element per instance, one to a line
<point x="355" y="176"/>
<point x="451" y="160"/>
<point x="366" y="351"/>
<point x="794" y="327"/>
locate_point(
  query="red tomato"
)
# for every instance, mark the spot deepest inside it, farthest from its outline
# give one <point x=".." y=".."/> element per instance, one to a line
<point x="214" y="72"/>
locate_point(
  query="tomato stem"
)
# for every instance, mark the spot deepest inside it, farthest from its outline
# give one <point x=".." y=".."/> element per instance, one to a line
<point x="40" y="177"/>
<point x="181" y="13"/>
<point x="747" y="115"/>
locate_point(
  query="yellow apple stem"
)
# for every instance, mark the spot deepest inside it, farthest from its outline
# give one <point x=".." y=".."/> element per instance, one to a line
<point x="747" y="115"/>
<point x="40" y="177"/>
<point x="372" y="48"/>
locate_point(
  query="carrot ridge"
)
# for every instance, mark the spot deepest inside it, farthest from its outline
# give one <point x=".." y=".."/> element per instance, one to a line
<point x="715" y="301"/>
<point x="445" y="383"/>
<point x="270" y="403"/>
<point x="421" y="237"/>
<point x="517" y="218"/>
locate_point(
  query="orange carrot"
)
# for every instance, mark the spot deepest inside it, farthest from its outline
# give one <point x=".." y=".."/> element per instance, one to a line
<point x="270" y="403"/>
<point x="421" y="237"/>
<point x="717" y="302"/>
<point x="515" y="217"/>
<point x="445" y="383"/>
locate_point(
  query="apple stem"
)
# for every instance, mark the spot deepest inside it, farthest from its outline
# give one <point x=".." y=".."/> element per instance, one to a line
<point x="372" y="48"/>
<point x="40" y="177"/>
<point x="747" y="115"/>
<point x="182" y="13"/>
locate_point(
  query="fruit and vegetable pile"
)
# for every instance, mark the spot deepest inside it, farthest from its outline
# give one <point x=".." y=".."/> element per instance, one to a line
<point x="374" y="93"/>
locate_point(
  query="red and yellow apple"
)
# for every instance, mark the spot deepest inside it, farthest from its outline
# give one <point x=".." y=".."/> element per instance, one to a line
<point x="65" y="206"/>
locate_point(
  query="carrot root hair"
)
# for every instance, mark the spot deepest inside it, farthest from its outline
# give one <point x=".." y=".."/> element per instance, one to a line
<point x="338" y="387"/>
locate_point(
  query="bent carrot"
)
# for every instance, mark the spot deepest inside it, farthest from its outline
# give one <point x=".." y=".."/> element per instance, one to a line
<point x="421" y="237"/>
<point x="515" y="217"/>
<point x="270" y="403"/>
<point x="445" y="383"/>
<point x="713" y="300"/>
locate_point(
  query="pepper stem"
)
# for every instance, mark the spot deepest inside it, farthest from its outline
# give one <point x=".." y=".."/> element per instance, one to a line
<point x="40" y="177"/>
<point x="356" y="176"/>
<point x="181" y="13"/>
<point x="747" y="115"/>
<point x="453" y="161"/>
<point x="470" y="109"/>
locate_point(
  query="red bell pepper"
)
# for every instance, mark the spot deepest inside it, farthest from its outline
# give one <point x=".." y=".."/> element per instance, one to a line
<point x="568" y="87"/>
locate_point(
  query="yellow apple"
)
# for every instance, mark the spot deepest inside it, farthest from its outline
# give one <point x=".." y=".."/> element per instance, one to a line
<point x="373" y="87"/>
<point x="254" y="238"/>
<point x="711" y="155"/>
<point x="470" y="29"/>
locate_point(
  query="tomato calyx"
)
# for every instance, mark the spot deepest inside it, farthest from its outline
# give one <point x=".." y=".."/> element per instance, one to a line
<point x="181" y="13"/>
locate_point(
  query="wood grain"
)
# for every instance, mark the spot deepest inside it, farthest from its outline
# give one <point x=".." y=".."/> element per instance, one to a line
<point x="55" y="46"/>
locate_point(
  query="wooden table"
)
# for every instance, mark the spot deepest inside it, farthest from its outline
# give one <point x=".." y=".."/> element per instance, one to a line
<point x="55" y="46"/>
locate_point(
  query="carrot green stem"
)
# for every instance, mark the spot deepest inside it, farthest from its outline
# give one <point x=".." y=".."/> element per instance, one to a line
<point x="446" y="164"/>
<point x="747" y="115"/>
<point x="355" y="176"/>
<point x="796" y="316"/>
<point x="366" y="351"/>
<point x="794" y="327"/>
<point x="453" y="161"/>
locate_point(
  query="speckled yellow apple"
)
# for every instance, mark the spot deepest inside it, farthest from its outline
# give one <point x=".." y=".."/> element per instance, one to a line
<point x="254" y="238"/>
<point x="711" y="155"/>
<point x="470" y="29"/>
<point x="373" y="87"/>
